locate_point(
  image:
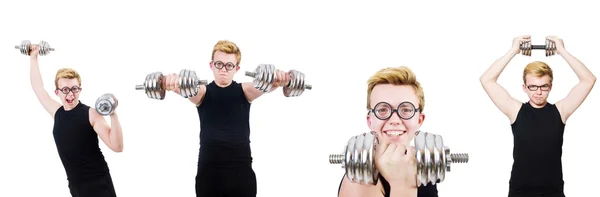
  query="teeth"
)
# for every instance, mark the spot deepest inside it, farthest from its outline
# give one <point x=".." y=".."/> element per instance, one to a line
<point x="395" y="133"/>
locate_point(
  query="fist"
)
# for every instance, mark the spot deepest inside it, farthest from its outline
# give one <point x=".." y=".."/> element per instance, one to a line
<point x="517" y="41"/>
<point x="560" y="45"/>
<point x="34" y="50"/>
<point x="397" y="164"/>
<point x="281" y="79"/>
<point x="170" y="82"/>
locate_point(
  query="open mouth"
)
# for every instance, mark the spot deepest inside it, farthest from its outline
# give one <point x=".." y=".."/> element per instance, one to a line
<point x="70" y="101"/>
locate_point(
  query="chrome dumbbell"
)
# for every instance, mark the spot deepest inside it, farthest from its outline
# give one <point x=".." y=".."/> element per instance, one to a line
<point x="25" y="47"/>
<point x="188" y="84"/>
<point x="433" y="158"/>
<point x="106" y="104"/>
<point x="264" y="77"/>
<point x="549" y="47"/>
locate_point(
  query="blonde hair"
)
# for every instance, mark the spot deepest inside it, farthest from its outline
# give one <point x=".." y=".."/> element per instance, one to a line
<point x="537" y="69"/>
<point x="66" y="73"/>
<point x="228" y="47"/>
<point x="396" y="76"/>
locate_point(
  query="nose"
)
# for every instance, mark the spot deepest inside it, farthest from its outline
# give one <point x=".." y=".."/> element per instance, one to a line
<point x="395" y="119"/>
<point x="539" y="91"/>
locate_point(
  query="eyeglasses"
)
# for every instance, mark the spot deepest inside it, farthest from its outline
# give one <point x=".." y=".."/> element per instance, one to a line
<point x="384" y="111"/>
<point x="544" y="87"/>
<point x="228" y="66"/>
<point x="66" y="90"/>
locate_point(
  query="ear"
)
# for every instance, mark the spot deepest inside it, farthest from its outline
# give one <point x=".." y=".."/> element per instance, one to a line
<point x="210" y="64"/>
<point x="369" y="120"/>
<point x="421" y="118"/>
<point x="524" y="88"/>
<point x="56" y="92"/>
<point x="237" y="68"/>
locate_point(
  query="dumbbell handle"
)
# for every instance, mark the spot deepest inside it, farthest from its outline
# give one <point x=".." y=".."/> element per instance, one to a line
<point x="19" y="47"/>
<point x="253" y="74"/>
<point x="454" y="157"/>
<point x="538" y="46"/>
<point x="200" y="82"/>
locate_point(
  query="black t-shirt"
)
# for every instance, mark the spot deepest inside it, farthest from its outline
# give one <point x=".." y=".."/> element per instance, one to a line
<point x="537" y="152"/>
<point x="77" y="144"/>
<point x="429" y="190"/>
<point x="224" y="126"/>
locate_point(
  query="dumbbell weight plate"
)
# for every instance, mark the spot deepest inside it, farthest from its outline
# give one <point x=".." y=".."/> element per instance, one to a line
<point x="153" y="86"/>
<point x="106" y="104"/>
<point x="24" y="47"/>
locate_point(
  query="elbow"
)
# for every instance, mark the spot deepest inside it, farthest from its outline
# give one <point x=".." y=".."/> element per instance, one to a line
<point x="117" y="149"/>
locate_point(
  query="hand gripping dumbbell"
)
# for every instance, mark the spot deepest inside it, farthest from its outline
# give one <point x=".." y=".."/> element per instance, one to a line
<point x="188" y="84"/>
<point x="526" y="48"/>
<point x="106" y="104"/>
<point x="433" y="158"/>
<point x="264" y="77"/>
<point x="25" y="47"/>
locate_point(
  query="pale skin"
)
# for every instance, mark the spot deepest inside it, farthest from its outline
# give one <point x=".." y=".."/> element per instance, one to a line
<point x="394" y="162"/>
<point x="110" y="135"/>
<point x="538" y="99"/>
<point x="224" y="78"/>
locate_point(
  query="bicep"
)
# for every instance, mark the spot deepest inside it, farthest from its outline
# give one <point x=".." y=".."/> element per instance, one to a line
<point x="250" y="91"/>
<point x="574" y="99"/>
<point x="100" y="126"/>
<point x="502" y="99"/>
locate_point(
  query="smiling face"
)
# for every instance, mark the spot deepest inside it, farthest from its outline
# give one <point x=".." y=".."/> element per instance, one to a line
<point x="395" y="103"/>
<point x="537" y="79"/>
<point x="225" y="62"/>
<point x="68" y="87"/>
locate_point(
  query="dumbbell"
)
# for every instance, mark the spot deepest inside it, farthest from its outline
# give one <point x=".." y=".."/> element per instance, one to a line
<point x="549" y="47"/>
<point x="25" y="47"/>
<point x="188" y="84"/>
<point x="106" y="104"/>
<point x="433" y="158"/>
<point x="264" y="77"/>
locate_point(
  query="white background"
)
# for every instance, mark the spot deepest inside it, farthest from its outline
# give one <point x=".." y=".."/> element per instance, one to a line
<point x="448" y="44"/>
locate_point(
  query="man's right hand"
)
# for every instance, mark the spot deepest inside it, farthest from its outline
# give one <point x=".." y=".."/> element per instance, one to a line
<point x="397" y="165"/>
<point x="34" y="50"/>
<point x="517" y="41"/>
<point x="170" y="82"/>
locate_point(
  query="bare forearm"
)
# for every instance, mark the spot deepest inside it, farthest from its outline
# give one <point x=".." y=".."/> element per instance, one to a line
<point x="35" y="77"/>
<point x="582" y="72"/>
<point x="115" y="135"/>
<point x="494" y="71"/>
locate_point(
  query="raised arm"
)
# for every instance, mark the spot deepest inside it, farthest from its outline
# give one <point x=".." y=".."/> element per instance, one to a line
<point x="499" y="96"/>
<point x="579" y="93"/>
<point x="110" y="135"/>
<point x="171" y="83"/>
<point x="49" y="104"/>
<point x="282" y="78"/>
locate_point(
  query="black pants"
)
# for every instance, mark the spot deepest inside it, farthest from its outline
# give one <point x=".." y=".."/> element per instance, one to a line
<point x="99" y="187"/>
<point x="225" y="182"/>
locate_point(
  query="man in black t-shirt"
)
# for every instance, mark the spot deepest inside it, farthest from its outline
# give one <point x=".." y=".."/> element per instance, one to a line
<point x="76" y="131"/>
<point x="537" y="125"/>
<point x="395" y="103"/>
<point x="225" y="160"/>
